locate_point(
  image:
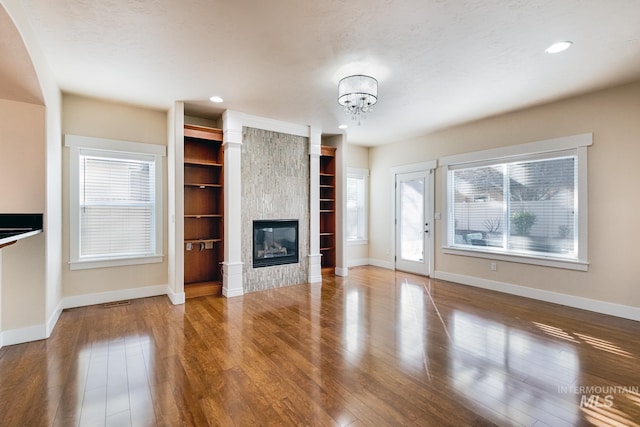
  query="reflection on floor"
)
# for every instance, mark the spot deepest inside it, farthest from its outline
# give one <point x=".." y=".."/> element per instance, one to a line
<point x="376" y="348"/>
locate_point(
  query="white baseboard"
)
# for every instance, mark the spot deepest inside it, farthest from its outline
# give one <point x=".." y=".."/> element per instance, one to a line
<point x="31" y="333"/>
<point x="231" y="293"/>
<point x="315" y="269"/>
<point x="358" y="262"/>
<point x="112" y="296"/>
<point x="43" y="331"/>
<point x="382" y="264"/>
<point x="342" y="272"/>
<point x="315" y="279"/>
<point x="22" y="335"/>
<point x="232" y="285"/>
<point x="53" y="319"/>
<point x="603" y="307"/>
<point x="176" y="298"/>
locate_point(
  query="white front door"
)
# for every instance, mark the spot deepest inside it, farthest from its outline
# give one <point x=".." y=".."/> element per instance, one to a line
<point x="412" y="228"/>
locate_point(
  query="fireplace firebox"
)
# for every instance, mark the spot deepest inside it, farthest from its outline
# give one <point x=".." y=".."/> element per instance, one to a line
<point x="275" y="242"/>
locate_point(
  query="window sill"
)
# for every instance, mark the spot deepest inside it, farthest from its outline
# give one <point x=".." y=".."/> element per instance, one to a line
<point x="114" y="262"/>
<point x="523" y="259"/>
<point x="357" y="242"/>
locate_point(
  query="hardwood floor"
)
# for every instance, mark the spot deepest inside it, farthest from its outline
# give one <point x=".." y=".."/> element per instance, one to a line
<point x="377" y="348"/>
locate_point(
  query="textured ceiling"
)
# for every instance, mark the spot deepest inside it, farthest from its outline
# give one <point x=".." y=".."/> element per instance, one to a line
<point x="439" y="62"/>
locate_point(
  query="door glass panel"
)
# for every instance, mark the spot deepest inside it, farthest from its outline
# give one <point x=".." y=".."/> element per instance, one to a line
<point x="411" y="220"/>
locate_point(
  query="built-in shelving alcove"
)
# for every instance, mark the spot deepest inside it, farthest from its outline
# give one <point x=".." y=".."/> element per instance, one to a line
<point x="203" y="210"/>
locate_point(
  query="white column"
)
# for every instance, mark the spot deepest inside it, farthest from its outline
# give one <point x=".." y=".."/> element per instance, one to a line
<point x="232" y="265"/>
<point x="341" y="205"/>
<point x="175" y="171"/>
<point x="315" y="257"/>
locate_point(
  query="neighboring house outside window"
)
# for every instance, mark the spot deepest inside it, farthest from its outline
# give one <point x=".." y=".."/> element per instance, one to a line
<point x="115" y="202"/>
<point x="357" y="188"/>
<point x="524" y="203"/>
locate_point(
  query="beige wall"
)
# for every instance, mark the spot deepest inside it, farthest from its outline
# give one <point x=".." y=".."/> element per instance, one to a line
<point x="45" y="255"/>
<point x="358" y="157"/>
<point x="613" y="175"/>
<point x="22" y="190"/>
<point x="96" y="118"/>
<point x="22" y="157"/>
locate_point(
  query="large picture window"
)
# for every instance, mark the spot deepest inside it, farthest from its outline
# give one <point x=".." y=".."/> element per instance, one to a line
<point x="115" y="202"/>
<point x="525" y="202"/>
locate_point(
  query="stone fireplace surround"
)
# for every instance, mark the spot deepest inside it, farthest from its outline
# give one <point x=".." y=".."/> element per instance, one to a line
<point x="275" y="185"/>
<point x="271" y="172"/>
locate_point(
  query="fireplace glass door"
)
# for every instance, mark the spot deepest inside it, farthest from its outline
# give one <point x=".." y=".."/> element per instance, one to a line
<point x="275" y="242"/>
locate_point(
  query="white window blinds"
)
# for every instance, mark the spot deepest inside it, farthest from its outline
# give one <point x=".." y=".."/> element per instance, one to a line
<point x="526" y="206"/>
<point x="115" y="202"/>
<point x="117" y="205"/>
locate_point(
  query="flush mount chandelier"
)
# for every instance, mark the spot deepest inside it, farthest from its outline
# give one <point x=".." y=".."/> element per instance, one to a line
<point x="358" y="94"/>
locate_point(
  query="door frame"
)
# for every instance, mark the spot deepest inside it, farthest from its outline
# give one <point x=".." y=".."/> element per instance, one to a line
<point x="429" y="167"/>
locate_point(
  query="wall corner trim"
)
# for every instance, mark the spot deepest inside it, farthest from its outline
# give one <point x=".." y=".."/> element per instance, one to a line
<point x="53" y="320"/>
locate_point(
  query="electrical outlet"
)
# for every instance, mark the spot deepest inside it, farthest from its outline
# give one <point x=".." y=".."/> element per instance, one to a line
<point x="494" y="266"/>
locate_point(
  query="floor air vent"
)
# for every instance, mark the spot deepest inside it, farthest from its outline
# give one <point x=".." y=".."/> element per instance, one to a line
<point x="116" y="304"/>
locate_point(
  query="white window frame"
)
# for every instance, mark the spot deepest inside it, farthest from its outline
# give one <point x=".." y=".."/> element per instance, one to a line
<point x="576" y="145"/>
<point x="359" y="173"/>
<point x="79" y="145"/>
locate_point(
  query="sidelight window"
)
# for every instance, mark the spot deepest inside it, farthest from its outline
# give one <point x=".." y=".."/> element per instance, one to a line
<point x="357" y="205"/>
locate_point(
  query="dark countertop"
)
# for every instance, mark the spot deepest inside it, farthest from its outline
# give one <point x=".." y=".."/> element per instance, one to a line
<point x="14" y="227"/>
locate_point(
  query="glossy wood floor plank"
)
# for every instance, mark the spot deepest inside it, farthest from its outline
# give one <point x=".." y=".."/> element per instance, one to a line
<point x="377" y="348"/>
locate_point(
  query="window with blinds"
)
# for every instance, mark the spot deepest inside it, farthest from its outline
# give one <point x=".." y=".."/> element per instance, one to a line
<point x="523" y="203"/>
<point x="525" y="206"/>
<point x="356" y="228"/>
<point x="116" y="205"/>
<point x="115" y="202"/>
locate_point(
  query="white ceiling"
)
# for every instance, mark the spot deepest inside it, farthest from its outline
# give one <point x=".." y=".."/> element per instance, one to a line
<point x="439" y="62"/>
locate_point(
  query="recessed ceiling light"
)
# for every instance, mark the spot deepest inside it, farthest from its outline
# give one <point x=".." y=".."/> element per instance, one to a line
<point x="216" y="99"/>
<point x="558" y="47"/>
<point x="343" y="127"/>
